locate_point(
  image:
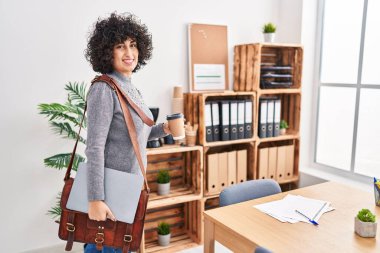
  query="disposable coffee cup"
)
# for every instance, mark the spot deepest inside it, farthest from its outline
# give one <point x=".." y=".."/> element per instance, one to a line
<point x="176" y="125"/>
<point x="191" y="138"/>
<point x="177" y="92"/>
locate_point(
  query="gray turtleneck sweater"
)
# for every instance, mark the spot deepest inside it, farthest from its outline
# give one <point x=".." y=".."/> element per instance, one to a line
<point x="108" y="142"/>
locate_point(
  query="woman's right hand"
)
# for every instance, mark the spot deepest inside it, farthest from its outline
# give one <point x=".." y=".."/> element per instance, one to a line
<point x="99" y="211"/>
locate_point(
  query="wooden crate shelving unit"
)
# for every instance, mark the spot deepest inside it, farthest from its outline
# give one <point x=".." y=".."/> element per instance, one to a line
<point x="290" y="111"/>
<point x="250" y="170"/>
<point x="285" y="177"/>
<point x="194" y="112"/>
<point x="184" y="207"/>
<point x="185" y="225"/>
<point x="181" y="208"/>
<point x="249" y="58"/>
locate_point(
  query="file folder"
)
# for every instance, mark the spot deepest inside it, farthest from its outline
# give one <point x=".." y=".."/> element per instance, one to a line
<point x="270" y="118"/>
<point x="212" y="173"/>
<point x="241" y="118"/>
<point x="241" y="164"/>
<point x="223" y="170"/>
<point x="263" y="118"/>
<point x="231" y="156"/>
<point x="215" y="121"/>
<point x="289" y="166"/>
<point x="272" y="162"/>
<point x="208" y="122"/>
<point x="263" y="163"/>
<point x="281" y="163"/>
<point x="233" y="120"/>
<point x="277" y="117"/>
<point x="248" y="119"/>
<point x="225" y="120"/>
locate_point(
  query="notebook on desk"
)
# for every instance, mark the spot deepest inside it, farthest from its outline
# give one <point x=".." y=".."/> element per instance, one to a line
<point x="122" y="192"/>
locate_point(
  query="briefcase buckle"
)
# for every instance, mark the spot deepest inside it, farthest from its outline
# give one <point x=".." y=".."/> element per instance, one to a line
<point x="70" y="227"/>
<point x="127" y="238"/>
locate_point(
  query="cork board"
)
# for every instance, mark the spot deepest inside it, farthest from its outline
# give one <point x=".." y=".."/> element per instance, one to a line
<point x="208" y="57"/>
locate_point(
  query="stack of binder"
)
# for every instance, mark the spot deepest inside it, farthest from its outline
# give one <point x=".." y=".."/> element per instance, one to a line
<point x="225" y="169"/>
<point x="228" y="120"/>
<point x="276" y="163"/>
<point x="269" y="117"/>
<point x="275" y="77"/>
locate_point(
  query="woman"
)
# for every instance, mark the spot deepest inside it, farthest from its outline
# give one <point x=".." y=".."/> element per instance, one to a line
<point x="119" y="46"/>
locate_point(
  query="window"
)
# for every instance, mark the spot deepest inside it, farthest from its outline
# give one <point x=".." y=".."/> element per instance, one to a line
<point x="348" y="128"/>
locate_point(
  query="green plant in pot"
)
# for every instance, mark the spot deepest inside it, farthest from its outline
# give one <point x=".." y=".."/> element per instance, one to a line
<point x="64" y="120"/>
<point x="163" y="181"/>
<point x="283" y="126"/>
<point x="269" y="31"/>
<point x="163" y="231"/>
<point x="365" y="223"/>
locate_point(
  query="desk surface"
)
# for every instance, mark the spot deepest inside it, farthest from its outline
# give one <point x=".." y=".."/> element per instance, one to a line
<point x="335" y="232"/>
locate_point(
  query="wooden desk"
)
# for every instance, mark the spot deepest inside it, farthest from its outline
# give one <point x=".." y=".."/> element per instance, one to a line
<point x="242" y="228"/>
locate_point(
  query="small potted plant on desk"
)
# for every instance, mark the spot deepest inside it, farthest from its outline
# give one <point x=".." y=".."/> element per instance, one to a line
<point x="269" y="31"/>
<point x="365" y="223"/>
<point x="283" y="127"/>
<point x="163" y="181"/>
<point x="163" y="231"/>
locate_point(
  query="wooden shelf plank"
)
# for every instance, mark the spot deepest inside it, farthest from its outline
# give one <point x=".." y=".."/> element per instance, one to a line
<point x="172" y="198"/>
<point x="289" y="136"/>
<point x="224" y="143"/>
<point x="174" y="191"/>
<point x="167" y="149"/>
<point x="290" y="180"/>
<point x="177" y="243"/>
<point x="278" y="91"/>
<point x="279" y="45"/>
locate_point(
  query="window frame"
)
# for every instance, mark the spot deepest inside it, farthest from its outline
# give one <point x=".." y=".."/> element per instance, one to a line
<point x="358" y="86"/>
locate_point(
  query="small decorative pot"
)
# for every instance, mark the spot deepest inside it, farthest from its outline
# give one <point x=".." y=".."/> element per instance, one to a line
<point x="269" y="37"/>
<point x="163" y="240"/>
<point x="163" y="189"/>
<point x="365" y="229"/>
<point x="282" y="131"/>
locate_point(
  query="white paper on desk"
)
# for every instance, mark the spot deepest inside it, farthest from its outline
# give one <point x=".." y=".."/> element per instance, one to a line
<point x="312" y="208"/>
<point x="284" y="209"/>
<point x="278" y="209"/>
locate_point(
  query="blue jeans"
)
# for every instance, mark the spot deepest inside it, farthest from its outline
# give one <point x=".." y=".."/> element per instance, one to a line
<point x="91" y="248"/>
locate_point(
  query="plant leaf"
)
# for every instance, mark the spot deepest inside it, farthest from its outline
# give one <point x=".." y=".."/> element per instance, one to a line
<point x="55" y="211"/>
<point x="76" y="93"/>
<point x="66" y="129"/>
<point x="61" y="161"/>
<point x="78" y="112"/>
<point x="55" y="111"/>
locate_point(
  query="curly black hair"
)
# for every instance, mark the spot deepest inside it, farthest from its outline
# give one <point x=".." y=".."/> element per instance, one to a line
<point x="114" y="30"/>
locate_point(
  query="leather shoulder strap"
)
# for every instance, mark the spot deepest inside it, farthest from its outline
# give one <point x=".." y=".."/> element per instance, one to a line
<point x="128" y="120"/>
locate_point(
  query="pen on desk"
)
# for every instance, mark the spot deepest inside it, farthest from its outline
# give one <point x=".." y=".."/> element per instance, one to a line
<point x="312" y="221"/>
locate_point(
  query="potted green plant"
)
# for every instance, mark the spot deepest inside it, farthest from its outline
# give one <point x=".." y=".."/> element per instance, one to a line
<point x="365" y="223"/>
<point x="163" y="231"/>
<point x="283" y="127"/>
<point x="269" y="31"/>
<point x="163" y="181"/>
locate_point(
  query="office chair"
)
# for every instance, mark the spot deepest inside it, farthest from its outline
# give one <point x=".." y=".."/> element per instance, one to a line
<point x="248" y="190"/>
<point x="262" y="250"/>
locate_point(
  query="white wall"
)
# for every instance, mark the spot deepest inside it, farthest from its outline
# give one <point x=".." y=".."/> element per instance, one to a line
<point x="42" y="44"/>
<point x="290" y="22"/>
<point x="309" y="86"/>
